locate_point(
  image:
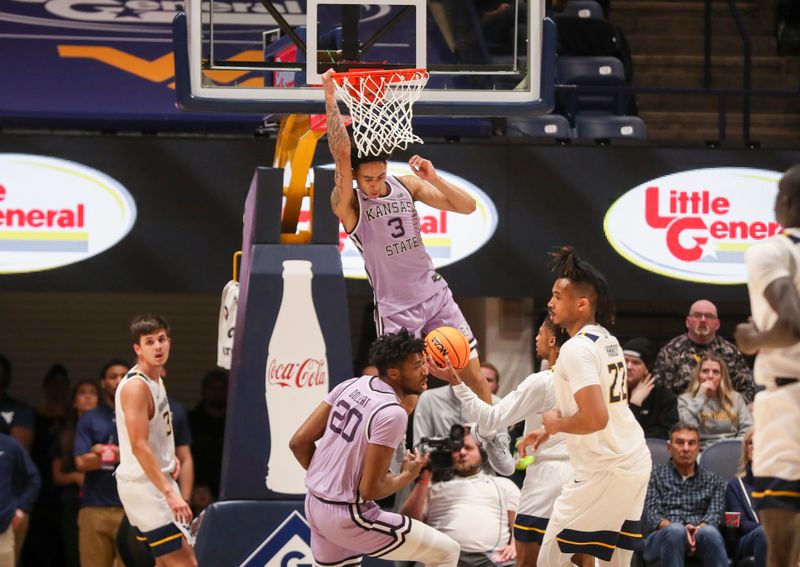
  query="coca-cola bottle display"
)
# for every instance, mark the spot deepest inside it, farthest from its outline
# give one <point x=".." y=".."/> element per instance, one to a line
<point x="297" y="375"/>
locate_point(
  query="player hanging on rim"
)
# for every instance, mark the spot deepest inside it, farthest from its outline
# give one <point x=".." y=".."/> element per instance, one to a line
<point x="382" y="222"/>
<point x="347" y="445"/>
<point x="599" y="512"/>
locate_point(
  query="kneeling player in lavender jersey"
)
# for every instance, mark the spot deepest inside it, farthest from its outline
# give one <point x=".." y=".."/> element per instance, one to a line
<point x="359" y="427"/>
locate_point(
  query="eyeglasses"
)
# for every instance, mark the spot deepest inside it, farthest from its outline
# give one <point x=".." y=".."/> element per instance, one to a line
<point x="707" y="316"/>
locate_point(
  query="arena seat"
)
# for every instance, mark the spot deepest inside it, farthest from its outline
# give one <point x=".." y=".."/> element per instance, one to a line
<point x="582" y="9"/>
<point x="546" y="126"/>
<point x="722" y="458"/>
<point x="658" y="450"/>
<point x="603" y="126"/>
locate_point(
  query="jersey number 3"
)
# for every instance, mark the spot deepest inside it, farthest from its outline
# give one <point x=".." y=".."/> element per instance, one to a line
<point x="618" y="390"/>
<point x="397" y="225"/>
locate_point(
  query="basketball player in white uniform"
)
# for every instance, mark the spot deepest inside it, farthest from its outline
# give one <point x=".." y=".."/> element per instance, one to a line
<point x="551" y="470"/>
<point x="598" y="512"/>
<point x="773" y="267"/>
<point x="148" y="468"/>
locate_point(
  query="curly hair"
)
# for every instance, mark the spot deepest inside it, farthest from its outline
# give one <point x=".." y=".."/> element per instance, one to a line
<point x="567" y="264"/>
<point x="390" y="350"/>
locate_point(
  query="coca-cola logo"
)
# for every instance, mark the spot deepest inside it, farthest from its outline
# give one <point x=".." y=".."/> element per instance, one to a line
<point x="306" y="374"/>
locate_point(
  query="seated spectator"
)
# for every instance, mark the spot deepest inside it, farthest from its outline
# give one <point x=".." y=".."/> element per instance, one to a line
<point x="19" y="485"/>
<point x="738" y="498"/>
<point x="683" y="508"/>
<point x="711" y="405"/>
<point x="492" y="376"/>
<point x="85" y="396"/>
<point x="677" y="359"/>
<point x="654" y="405"/>
<point x="472" y="507"/>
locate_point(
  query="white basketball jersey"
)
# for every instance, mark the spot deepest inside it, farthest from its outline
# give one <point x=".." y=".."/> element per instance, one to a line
<point x="227" y="324"/>
<point x="593" y="357"/>
<point x="159" y="438"/>
<point x="768" y="261"/>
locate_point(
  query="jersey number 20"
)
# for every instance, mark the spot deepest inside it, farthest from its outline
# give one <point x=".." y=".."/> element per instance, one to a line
<point x="618" y="390"/>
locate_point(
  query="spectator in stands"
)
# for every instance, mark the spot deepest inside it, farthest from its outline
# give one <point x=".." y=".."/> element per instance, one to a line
<point x="97" y="454"/>
<point x="438" y="409"/>
<point x="85" y="397"/>
<point x="19" y="484"/>
<point x="207" y="424"/>
<point x="472" y="507"/>
<point x="679" y="356"/>
<point x="684" y="506"/>
<point x="711" y="405"/>
<point x="16" y="418"/>
<point x="46" y="514"/>
<point x="738" y="498"/>
<point x="492" y="376"/>
<point x="653" y="404"/>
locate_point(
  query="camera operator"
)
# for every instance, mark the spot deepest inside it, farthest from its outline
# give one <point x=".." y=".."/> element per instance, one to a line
<point x="474" y="508"/>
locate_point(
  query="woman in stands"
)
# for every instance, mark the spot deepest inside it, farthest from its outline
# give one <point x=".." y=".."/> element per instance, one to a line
<point x="738" y="498"/>
<point x="712" y="405"/>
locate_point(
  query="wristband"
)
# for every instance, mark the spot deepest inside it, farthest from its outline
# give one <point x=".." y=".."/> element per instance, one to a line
<point x="424" y="481"/>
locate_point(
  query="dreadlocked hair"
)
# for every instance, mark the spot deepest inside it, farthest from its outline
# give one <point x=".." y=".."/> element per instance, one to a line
<point x="567" y="264"/>
<point x="391" y="350"/>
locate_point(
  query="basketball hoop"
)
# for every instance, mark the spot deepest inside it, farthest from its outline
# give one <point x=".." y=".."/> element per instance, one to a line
<point x="380" y="104"/>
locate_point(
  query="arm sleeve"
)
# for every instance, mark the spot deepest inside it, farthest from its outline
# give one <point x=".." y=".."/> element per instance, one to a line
<point x="667" y="412"/>
<point x="716" y="505"/>
<point x="742" y="377"/>
<point x="743" y="418"/>
<point x="387" y="426"/>
<point x="689" y="408"/>
<point x="28" y="478"/>
<point x="765" y="264"/>
<point x="579" y="364"/>
<point x="83" y="436"/>
<point x="511" y="493"/>
<point x="180" y="424"/>
<point x="532" y="396"/>
<point x="652" y="505"/>
<point x="661" y="368"/>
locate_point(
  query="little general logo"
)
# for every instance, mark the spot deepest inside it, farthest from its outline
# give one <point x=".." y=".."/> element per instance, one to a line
<point x="447" y="237"/>
<point x="695" y="225"/>
<point x="55" y="212"/>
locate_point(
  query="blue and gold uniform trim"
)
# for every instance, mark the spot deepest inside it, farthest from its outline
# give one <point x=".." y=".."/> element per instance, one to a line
<point x="529" y="529"/>
<point x="630" y="536"/>
<point x="792" y="237"/>
<point x="165" y="539"/>
<point x="600" y="544"/>
<point x="589" y="336"/>
<point x="771" y="492"/>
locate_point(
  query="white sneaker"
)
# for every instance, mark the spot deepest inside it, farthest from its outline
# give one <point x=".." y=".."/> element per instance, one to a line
<point x="498" y="451"/>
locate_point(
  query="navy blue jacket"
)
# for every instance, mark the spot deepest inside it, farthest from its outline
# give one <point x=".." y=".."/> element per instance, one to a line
<point x="19" y="480"/>
<point x="735" y="501"/>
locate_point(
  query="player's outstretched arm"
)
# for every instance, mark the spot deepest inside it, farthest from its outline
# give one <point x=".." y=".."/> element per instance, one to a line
<point x="434" y="191"/>
<point x="303" y="442"/>
<point x="136" y="403"/>
<point x="376" y="482"/>
<point x="343" y="197"/>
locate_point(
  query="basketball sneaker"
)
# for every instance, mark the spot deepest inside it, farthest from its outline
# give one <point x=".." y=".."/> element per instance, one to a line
<point x="498" y="451"/>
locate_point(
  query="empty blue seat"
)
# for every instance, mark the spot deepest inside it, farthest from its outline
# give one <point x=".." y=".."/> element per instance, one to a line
<point x="546" y="126"/>
<point x="604" y="126"/>
<point x="601" y="70"/>
<point x="583" y="9"/>
<point x="722" y="458"/>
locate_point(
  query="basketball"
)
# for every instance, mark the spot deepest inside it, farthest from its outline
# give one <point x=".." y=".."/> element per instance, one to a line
<point x="447" y="341"/>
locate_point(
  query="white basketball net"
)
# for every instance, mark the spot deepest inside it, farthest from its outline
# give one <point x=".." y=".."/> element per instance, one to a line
<point x="380" y="104"/>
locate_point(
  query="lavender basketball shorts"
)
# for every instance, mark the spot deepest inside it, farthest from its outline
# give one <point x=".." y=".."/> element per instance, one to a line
<point x="356" y="529"/>
<point x="441" y="310"/>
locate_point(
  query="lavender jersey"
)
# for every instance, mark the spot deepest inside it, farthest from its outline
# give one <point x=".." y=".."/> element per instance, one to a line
<point x="363" y="410"/>
<point x="388" y="237"/>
